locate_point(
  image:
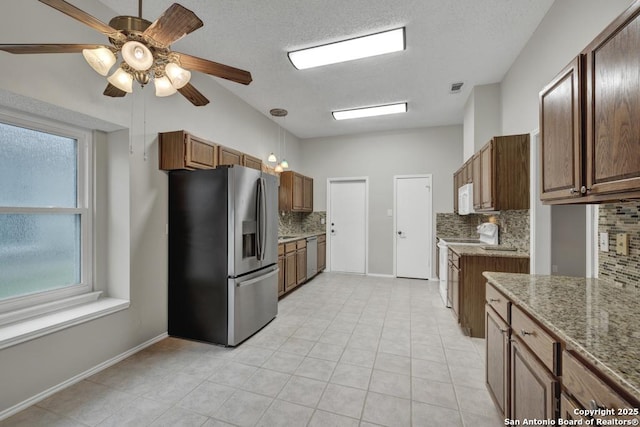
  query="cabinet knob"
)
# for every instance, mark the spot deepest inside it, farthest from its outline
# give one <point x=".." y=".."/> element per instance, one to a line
<point x="593" y="405"/>
<point x="524" y="333"/>
<point x="574" y="191"/>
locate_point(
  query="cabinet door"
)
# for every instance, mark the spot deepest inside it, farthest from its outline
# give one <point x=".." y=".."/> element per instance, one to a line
<point x="298" y="189"/>
<point x="456" y="185"/>
<point x="561" y="135"/>
<point x="229" y="156"/>
<point x="533" y="388"/>
<point x="613" y="107"/>
<point x="200" y="154"/>
<point x="322" y="255"/>
<point x="497" y="366"/>
<point x="301" y="266"/>
<point x="477" y="181"/>
<point x="251" y="162"/>
<point x="307" y="194"/>
<point x="290" y="271"/>
<point x="281" y="275"/>
<point x="486" y="176"/>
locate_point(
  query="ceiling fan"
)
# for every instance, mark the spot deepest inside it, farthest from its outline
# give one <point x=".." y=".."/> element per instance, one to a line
<point x="145" y="51"/>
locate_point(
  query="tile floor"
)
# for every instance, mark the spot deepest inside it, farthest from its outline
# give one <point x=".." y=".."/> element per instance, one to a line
<point x="344" y="351"/>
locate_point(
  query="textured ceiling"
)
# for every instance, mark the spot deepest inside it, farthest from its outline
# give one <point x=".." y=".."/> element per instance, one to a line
<point x="472" y="41"/>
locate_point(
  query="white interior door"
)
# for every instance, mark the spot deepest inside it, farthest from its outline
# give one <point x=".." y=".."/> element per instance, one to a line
<point x="413" y="226"/>
<point x="347" y="225"/>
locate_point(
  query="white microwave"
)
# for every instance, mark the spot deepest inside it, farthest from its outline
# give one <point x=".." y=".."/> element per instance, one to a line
<point x="465" y="199"/>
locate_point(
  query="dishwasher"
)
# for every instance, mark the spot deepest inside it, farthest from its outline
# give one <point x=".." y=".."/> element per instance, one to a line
<point x="312" y="256"/>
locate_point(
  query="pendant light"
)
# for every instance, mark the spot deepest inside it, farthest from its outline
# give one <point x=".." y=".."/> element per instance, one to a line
<point x="280" y="112"/>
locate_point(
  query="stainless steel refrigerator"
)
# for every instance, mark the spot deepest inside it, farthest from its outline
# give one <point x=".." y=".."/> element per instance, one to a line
<point x="223" y="253"/>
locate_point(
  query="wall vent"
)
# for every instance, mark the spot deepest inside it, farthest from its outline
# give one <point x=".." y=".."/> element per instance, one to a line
<point x="456" y="87"/>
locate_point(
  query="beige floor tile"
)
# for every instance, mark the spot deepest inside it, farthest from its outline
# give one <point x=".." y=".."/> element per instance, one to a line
<point x="325" y="419"/>
<point x="243" y="408"/>
<point x="285" y="414"/>
<point x="343" y="400"/>
<point x="391" y="384"/>
<point x="423" y="414"/>
<point x="305" y="391"/>
<point x="351" y="375"/>
<point x="434" y="393"/>
<point x="387" y="410"/>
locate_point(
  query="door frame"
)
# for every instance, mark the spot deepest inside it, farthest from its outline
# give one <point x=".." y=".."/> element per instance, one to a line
<point x="395" y="221"/>
<point x="365" y="180"/>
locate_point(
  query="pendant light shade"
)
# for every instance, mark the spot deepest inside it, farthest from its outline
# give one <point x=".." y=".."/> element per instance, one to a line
<point x="284" y="164"/>
<point x="278" y="168"/>
<point x="122" y="80"/>
<point x="164" y="86"/>
<point x="137" y="55"/>
<point x="272" y="158"/>
<point x="100" y="59"/>
<point x="178" y="76"/>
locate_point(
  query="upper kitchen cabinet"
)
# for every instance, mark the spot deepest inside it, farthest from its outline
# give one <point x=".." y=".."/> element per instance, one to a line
<point x="251" y="162"/>
<point x="561" y="134"/>
<point x="296" y="192"/>
<point x="504" y="174"/>
<point x="181" y="150"/>
<point x="476" y="177"/>
<point x="229" y="156"/>
<point x="595" y="161"/>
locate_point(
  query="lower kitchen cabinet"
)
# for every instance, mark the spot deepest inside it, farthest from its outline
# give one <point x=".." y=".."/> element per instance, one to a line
<point x="301" y="261"/>
<point x="466" y="284"/>
<point x="290" y="266"/>
<point x="534" y="389"/>
<point x="281" y="270"/>
<point x="497" y="366"/>
<point x="322" y="252"/>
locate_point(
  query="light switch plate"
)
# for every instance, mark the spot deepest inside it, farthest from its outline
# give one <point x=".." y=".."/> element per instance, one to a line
<point x="604" y="242"/>
<point x="622" y="244"/>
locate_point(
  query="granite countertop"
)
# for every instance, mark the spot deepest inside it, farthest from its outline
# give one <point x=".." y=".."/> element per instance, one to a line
<point x="294" y="237"/>
<point x="472" y="250"/>
<point x="599" y="320"/>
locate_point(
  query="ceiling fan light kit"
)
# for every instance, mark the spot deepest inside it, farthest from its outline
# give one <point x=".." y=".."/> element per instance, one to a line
<point x="145" y="51"/>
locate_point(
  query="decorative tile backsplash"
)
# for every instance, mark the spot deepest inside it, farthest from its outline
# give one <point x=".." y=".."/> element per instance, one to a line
<point x="293" y="223"/>
<point x="513" y="225"/>
<point x="620" y="218"/>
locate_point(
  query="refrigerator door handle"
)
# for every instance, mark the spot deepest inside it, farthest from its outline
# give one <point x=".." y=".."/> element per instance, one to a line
<point x="262" y="224"/>
<point x="257" y="279"/>
<point x="259" y="220"/>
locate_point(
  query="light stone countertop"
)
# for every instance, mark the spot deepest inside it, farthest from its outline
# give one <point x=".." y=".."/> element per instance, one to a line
<point x="471" y="250"/>
<point x="597" y="319"/>
<point x="299" y="236"/>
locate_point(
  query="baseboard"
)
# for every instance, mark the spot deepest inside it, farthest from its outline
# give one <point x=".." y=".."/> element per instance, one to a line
<point x="391" y="276"/>
<point x="86" y="374"/>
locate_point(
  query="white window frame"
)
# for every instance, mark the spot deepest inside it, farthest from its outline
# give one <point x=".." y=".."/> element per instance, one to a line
<point x="29" y="306"/>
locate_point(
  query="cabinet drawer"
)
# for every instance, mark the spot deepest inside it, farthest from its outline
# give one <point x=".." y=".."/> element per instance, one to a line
<point x="589" y="390"/>
<point x="301" y="244"/>
<point x="280" y="249"/>
<point x="322" y="238"/>
<point x="290" y="247"/>
<point x="535" y="337"/>
<point x="497" y="301"/>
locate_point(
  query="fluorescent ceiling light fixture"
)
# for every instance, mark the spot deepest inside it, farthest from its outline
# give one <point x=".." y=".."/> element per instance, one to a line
<point x="379" y="110"/>
<point x="348" y="50"/>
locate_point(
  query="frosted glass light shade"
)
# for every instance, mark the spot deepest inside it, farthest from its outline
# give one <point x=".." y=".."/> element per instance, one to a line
<point x="272" y="158"/>
<point x="137" y="55"/>
<point x="278" y="168"/>
<point x="284" y="164"/>
<point x="100" y="59"/>
<point x="122" y="80"/>
<point x="164" y="87"/>
<point x="178" y="76"/>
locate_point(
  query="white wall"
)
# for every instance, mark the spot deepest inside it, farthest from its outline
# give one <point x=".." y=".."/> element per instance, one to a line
<point x="132" y="249"/>
<point x="566" y="29"/>
<point x="380" y="156"/>
<point x="482" y="116"/>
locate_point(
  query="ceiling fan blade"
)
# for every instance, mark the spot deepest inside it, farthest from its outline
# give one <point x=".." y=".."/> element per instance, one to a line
<point x="113" y="91"/>
<point x="175" y="23"/>
<point x="82" y="16"/>
<point x="47" y="48"/>
<point x="193" y="95"/>
<point x="213" y="68"/>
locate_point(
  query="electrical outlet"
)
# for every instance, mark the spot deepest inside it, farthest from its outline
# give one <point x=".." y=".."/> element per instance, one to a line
<point x="322" y="221"/>
<point x="604" y="242"/>
<point x="622" y="244"/>
<point x="554" y="268"/>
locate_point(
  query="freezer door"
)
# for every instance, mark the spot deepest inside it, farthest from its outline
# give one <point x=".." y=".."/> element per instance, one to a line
<point x="253" y="302"/>
<point x="253" y="220"/>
